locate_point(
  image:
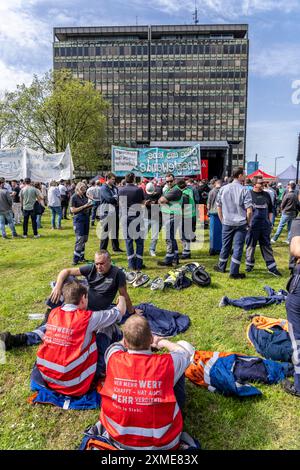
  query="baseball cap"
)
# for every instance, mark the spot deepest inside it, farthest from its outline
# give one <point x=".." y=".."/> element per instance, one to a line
<point x="150" y="188"/>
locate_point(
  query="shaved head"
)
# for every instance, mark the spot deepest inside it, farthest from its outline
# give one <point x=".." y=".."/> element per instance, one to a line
<point x="137" y="333"/>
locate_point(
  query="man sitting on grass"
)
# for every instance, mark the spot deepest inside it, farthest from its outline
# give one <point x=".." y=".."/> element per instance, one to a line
<point x="75" y="340"/>
<point x="104" y="282"/>
<point x="143" y="393"/>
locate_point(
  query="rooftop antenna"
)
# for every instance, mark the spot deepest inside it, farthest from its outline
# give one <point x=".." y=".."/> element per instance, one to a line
<point x="195" y="14"/>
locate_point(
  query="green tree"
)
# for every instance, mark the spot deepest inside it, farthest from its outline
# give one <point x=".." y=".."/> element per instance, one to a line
<point x="53" y="111"/>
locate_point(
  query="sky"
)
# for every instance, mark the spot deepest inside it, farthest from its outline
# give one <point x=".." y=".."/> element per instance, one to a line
<point x="26" y="35"/>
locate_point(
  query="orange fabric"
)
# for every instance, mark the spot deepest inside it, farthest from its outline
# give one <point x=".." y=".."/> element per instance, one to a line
<point x="195" y="371"/>
<point x="203" y="213"/>
<point x="99" y="445"/>
<point x="266" y="323"/>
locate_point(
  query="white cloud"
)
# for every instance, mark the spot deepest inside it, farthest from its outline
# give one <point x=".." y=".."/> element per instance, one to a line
<point x="10" y="77"/>
<point x="276" y="60"/>
<point x="230" y="9"/>
<point x="271" y="139"/>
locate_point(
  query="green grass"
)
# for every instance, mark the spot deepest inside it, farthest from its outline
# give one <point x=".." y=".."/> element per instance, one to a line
<point x="27" y="267"/>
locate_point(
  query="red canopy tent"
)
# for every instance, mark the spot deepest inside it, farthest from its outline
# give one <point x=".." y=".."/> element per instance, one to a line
<point x="263" y="174"/>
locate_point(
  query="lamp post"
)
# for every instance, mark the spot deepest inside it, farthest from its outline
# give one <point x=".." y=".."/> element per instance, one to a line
<point x="277" y="158"/>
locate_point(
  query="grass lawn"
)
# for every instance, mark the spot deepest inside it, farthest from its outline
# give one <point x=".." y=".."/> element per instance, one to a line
<point x="26" y="268"/>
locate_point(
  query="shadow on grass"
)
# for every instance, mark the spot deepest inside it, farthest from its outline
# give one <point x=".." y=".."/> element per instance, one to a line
<point x="228" y="423"/>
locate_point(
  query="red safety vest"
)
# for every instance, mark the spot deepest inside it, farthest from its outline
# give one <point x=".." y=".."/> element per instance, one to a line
<point x="64" y="365"/>
<point x="139" y="408"/>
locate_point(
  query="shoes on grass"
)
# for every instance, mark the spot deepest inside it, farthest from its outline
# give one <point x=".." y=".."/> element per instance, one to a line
<point x="289" y="387"/>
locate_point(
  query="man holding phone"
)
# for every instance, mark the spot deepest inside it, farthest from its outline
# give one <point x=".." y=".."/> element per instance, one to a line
<point x="80" y="208"/>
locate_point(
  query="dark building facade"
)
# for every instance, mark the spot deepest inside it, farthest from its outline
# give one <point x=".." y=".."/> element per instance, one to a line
<point x="166" y="83"/>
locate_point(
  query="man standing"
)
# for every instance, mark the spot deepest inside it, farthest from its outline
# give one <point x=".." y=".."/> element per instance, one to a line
<point x="94" y="193"/>
<point x="293" y="310"/>
<point x="80" y="208"/>
<point x="132" y="210"/>
<point x="234" y="204"/>
<point x="16" y="207"/>
<point x="215" y="226"/>
<point x="171" y="208"/>
<point x="260" y="229"/>
<point x="146" y="415"/>
<point x="28" y="196"/>
<point x="54" y="203"/>
<point x="64" y="199"/>
<point x="109" y="214"/>
<point x="289" y="210"/>
<point x="153" y="217"/>
<point x="6" y="211"/>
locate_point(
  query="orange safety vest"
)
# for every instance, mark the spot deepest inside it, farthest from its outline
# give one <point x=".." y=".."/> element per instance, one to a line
<point x="63" y="363"/>
<point x="139" y="408"/>
<point x="199" y="371"/>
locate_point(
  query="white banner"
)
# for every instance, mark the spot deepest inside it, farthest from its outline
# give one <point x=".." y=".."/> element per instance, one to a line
<point x="39" y="166"/>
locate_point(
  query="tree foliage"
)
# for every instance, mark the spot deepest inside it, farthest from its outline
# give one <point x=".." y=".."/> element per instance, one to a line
<point x="53" y="111"/>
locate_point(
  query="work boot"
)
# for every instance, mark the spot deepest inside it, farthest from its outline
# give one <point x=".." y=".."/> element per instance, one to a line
<point x="13" y="341"/>
<point x="289" y="387"/>
<point x="218" y="269"/>
<point x="163" y="263"/>
<point x="237" y="276"/>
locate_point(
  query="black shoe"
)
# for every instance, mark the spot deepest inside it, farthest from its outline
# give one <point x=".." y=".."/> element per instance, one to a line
<point x="92" y="224"/>
<point x="66" y="218"/>
<point x="185" y="257"/>
<point x="13" y="341"/>
<point x="289" y="387"/>
<point x="218" y="269"/>
<point x="275" y="272"/>
<point x="175" y="262"/>
<point x="237" y="276"/>
<point x="75" y="263"/>
<point x="118" y="250"/>
<point x="249" y="269"/>
<point x="163" y="263"/>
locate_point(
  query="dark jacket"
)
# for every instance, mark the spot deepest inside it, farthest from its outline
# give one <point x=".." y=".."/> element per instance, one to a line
<point x="290" y="204"/>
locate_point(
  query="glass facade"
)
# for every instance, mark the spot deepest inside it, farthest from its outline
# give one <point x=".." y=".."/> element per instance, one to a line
<point x="164" y="83"/>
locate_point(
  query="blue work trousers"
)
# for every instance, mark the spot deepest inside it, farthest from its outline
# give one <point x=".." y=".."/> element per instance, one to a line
<point x="134" y="233"/>
<point x="293" y="316"/>
<point x="232" y="236"/>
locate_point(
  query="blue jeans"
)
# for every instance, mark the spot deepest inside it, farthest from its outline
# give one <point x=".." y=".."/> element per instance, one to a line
<point x="56" y="210"/>
<point x="232" y="236"/>
<point x="135" y="259"/>
<point x="172" y="225"/>
<point x="153" y="226"/>
<point x="284" y="219"/>
<point x="7" y="217"/>
<point x="96" y="204"/>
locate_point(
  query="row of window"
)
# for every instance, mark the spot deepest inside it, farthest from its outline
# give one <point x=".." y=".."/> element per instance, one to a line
<point x="155" y="49"/>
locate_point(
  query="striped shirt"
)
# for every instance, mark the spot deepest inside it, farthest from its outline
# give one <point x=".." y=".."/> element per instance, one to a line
<point x="234" y="199"/>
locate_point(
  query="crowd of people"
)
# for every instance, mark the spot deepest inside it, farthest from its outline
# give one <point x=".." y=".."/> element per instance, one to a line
<point x="80" y="341"/>
<point x="237" y="211"/>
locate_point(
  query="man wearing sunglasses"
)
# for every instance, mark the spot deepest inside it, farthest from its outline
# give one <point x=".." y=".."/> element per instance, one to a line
<point x="171" y="208"/>
<point x="260" y="228"/>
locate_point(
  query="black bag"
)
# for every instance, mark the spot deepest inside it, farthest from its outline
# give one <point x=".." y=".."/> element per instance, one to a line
<point x="38" y="208"/>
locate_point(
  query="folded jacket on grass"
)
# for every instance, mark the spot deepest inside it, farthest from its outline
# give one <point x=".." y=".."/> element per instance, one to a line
<point x="44" y="395"/>
<point x="228" y="373"/>
<point x="163" y="322"/>
<point x="251" y="303"/>
<point x="270" y="338"/>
